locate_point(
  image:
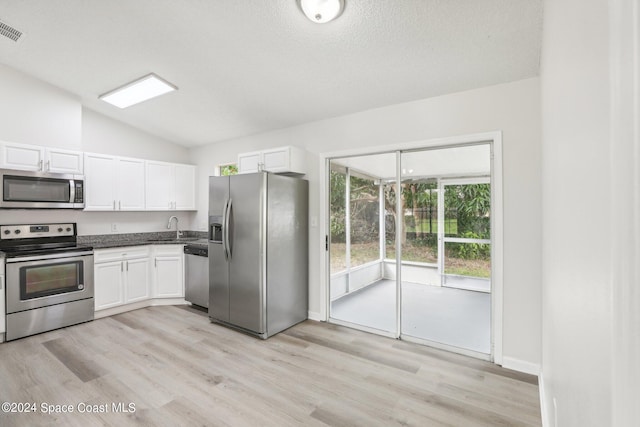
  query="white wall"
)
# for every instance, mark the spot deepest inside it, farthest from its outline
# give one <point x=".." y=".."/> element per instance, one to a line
<point x="101" y="134"/>
<point x="513" y="108"/>
<point x="591" y="165"/>
<point x="34" y="112"/>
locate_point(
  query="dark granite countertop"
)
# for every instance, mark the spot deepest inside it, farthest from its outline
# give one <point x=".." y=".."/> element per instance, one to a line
<point x="104" y="241"/>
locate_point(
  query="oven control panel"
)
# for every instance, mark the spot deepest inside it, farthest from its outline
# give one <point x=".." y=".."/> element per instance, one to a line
<point x="8" y="232"/>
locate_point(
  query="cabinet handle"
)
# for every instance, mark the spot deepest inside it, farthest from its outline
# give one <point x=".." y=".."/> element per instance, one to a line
<point x="41" y="162"/>
<point x="48" y="167"/>
<point x="127" y="265"/>
<point x="121" y="266"/>
<point x="119" y="205"/>
<point x="114" y="205"/>
<point x="155" y="262"/>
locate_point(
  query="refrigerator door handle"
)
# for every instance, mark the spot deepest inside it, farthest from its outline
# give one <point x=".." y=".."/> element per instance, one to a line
<point x="226" y="228"/>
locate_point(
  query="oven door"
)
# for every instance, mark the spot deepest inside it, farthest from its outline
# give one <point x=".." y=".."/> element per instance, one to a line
<point x="45" y="280"/>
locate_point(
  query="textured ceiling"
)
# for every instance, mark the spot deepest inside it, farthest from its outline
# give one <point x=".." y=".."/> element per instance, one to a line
<point x="248" y="66"/>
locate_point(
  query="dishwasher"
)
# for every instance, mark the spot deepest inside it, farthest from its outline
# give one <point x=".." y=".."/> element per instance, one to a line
<point x="196" y="274"/>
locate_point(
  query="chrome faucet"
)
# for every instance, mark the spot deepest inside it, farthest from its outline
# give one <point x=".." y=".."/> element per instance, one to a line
<point x="178" y="233"/>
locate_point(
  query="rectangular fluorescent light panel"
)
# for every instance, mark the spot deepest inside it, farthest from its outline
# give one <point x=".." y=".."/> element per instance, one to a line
<point x="140" y="90"/>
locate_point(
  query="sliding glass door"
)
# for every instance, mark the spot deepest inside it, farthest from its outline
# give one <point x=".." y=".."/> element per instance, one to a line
<point x="410" y="245"/>
<point x="360" y="294"/>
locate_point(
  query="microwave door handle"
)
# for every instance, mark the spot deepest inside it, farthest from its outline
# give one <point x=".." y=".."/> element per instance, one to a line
<point x="72" y="191"/>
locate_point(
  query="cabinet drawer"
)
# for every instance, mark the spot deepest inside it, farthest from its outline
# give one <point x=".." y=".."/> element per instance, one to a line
<point x="167" y="250"/>
<point x="129" y="252"/>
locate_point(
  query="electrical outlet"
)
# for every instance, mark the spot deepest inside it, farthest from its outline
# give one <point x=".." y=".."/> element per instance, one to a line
<point x="114" y="227"/>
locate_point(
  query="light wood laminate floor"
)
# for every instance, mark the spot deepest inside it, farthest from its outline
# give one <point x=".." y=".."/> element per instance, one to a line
<point x="177" y="368"/>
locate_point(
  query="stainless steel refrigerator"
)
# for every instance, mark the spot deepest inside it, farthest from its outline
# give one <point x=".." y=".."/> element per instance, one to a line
<point x="258" y="252"/>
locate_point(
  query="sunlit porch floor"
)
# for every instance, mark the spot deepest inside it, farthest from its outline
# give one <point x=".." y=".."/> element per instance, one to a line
<point x="455" y="317"/>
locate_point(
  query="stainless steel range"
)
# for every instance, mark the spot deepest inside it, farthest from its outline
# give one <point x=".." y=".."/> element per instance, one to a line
<point x="49" y="278"/>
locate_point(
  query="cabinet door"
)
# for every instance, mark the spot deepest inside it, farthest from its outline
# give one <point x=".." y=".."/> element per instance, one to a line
<point x="169" y="277"/>
<point x="63" y="161"/>
<point x="108" y="282"/>
<point x="277" y="160"/>
<point x="289" y="159"/>
<point x="99" y="182"/>
<point x="249" y="162"/>
<point x="137" y="279"/>
<point x="185" y="186"/>
<point x="160" y="182"/>
<point x="22" y="156"/>
<point x="130" y="184"/>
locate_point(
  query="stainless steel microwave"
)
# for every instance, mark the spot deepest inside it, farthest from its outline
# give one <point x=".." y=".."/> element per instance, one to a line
<point x="38" y="190"/>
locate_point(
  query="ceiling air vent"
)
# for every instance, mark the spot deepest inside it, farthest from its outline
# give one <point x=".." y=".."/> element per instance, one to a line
<point x="10" y="32"/>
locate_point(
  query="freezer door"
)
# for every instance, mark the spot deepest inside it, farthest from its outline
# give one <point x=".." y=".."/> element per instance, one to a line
<point x="246" y="246"/>
<point x="218" y="265"/>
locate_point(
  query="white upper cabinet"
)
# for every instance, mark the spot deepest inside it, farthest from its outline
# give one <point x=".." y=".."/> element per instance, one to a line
<point x="185" y="187"/>
<point x="170" y="186"/>
<point x="114" y="183"/>
<point x="130" y="190"/>
<point x="250" y="162"/>
<point x="99" y="179"/>
<point x="40" y="159"/>
<point x="63" y="161"/>
<point x="160" y="186"/>
<point x="289" y="160"/>
<point x="22" y="156"/>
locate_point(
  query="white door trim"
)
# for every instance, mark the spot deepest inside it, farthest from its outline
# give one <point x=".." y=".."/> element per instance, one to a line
<point x="495" y="139"/>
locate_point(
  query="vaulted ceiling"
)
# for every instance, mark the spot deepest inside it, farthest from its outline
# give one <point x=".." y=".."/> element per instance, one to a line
<point x="248" y="66"/>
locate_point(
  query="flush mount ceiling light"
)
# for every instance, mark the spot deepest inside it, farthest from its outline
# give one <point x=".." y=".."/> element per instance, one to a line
<point x="144" y="88"/>
<point x="322" y="11"/>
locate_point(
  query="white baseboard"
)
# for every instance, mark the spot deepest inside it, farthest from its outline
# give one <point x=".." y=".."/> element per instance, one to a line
<point x="521" y="365"/>
<point x="168" y="301"/>
<point x="544" y="412"/>
<point x="314" y="315"/>
<point x="136" y="305"/>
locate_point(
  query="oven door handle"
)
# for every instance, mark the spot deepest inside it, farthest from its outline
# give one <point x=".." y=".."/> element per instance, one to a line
<point x="67" y="255"/>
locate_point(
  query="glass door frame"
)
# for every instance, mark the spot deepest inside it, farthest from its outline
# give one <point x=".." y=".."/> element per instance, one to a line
<point x="494" y="139"/>
<point x="442" y="238"/>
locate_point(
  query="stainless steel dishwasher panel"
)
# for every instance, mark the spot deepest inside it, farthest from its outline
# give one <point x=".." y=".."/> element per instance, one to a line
<point x="196" y="275"/>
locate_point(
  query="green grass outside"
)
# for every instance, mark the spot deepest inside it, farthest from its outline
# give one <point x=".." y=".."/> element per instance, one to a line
<point x="422" y="225"/>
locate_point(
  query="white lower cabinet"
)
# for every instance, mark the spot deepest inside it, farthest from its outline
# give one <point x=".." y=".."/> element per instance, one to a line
<point x="137" y="274"/>
<point x="108" y="285"/>
<point x="137" y="280"/>
<point x="168" y="271"/>
<point x="121" y="276"/>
